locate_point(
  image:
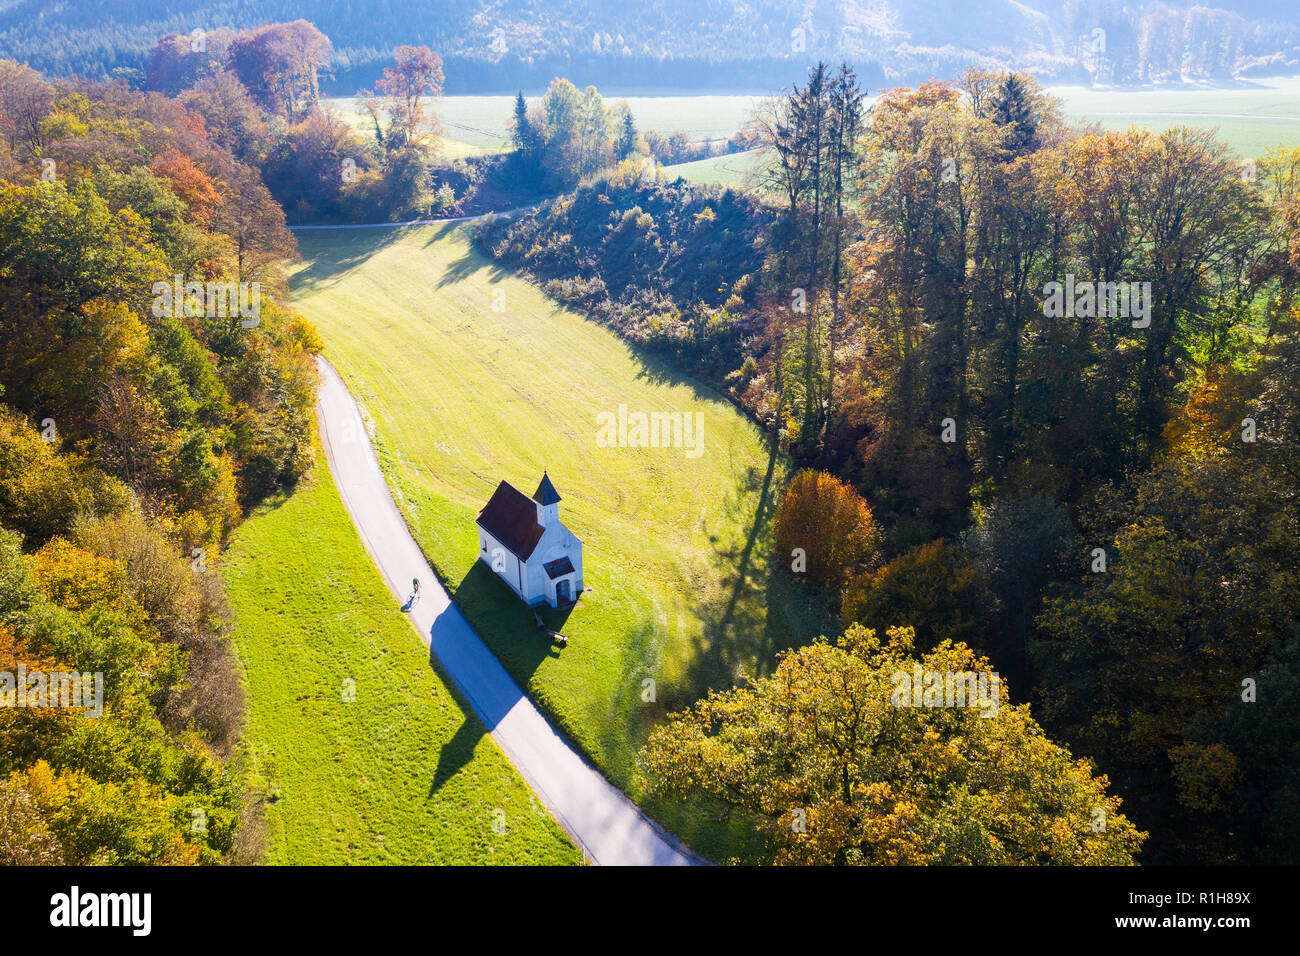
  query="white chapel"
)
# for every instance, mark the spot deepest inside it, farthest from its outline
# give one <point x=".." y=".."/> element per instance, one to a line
<point x="523" y="541"/>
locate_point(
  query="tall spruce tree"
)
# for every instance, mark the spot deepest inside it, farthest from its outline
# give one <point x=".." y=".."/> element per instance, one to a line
<point x="522" y="133"/>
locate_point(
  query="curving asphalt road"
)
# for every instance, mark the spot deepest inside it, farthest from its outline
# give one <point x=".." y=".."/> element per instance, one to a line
<point x="609" y="827"/>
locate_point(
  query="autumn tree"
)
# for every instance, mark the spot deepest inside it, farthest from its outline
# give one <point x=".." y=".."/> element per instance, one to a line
<point x="825" y="529"/>
<point x="933" y="588"/>
<point x="180" y="61"/>
<point x="180" y="231"/>
<point x="25" y="839"/>
<point x="25" y="102"/>
<point x="42" y="492"/>
<point x="835" y="766"/>
<point x="844" y="126"/>
<point x="280" y="65"/>
<point x="1199" y="583"/>
<point x="255" y="223"/>
<point x="66" y="242"/>
<point x="401" y="93"/>
<point x="230" y="115"/>
<point x="190" y="184"/>
<point x="306" y="174"/>
<point x="811" y="136"/>
<point x="919" y="195"/>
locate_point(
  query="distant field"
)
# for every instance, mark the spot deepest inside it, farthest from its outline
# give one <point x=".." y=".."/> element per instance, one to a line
<point x="676" y="548"/>
<point x="1251" y="121"/>
<point x="456" y="143"/>
<point x="399" y="775"/>
<point x="483" y="122"/>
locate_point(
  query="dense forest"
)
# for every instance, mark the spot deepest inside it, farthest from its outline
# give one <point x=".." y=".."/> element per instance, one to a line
<point x="152" y="390"/>
<point x="669" y="43"/>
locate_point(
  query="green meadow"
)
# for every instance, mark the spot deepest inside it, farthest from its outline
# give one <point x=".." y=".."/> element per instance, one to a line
<point x="682" y="595"/>
<point x="1250" y="119"/>
<point x="398" y="774"/>
<point x="737" y="170"/>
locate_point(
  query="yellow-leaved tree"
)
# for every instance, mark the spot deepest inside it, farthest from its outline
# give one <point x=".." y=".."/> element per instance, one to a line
<point x="857" y="753"/>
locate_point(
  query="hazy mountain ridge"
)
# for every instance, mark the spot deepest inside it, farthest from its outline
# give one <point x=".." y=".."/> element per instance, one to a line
<point x="496" y="45"/>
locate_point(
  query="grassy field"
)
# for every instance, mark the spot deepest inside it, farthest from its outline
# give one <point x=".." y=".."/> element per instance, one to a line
<point x="361" y="781"/>
<point x="1251" y="120"/>
<point x="736" y="170"/>
<point x="676" y="548"/>
<point x="454" y="144"/>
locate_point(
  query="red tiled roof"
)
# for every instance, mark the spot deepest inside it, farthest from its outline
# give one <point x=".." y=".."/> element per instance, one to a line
<point x="511" y="517"/>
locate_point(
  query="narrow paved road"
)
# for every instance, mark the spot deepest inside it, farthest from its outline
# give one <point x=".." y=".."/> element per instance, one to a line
<point x="597" y="816"/>
<point x="419" y="222"/>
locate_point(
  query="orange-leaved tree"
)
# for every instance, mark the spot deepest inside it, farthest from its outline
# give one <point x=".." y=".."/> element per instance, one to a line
<point x="826" y="530"/>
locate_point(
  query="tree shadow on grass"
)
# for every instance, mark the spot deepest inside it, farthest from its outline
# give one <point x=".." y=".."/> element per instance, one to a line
<point x="279" y="498"/>
<point x="736" y="637"/>
<point x="472" y="262"/>
<point x="456" y="753"/>
<point x="761" y="611"/>
<point x="331" y="261"/>
<point x="655" y="368"/>
<point x="510" y="632"/>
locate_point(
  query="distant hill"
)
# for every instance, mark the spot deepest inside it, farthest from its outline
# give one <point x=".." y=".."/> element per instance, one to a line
<point x="498" y="45"/>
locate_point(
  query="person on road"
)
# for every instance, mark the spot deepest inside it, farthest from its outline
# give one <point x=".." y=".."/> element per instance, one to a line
<point x="415" y="595"/>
